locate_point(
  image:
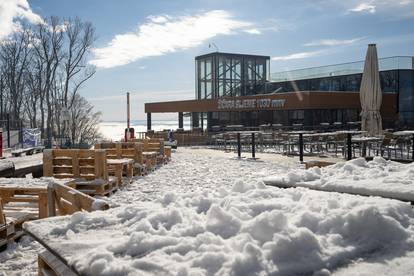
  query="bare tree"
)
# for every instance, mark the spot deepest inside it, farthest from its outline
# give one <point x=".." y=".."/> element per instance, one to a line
<point x="42" y="68"/>
<point x="83" y="121"/>
<point x="48" y="44"/>
<point x="15" y="55"/>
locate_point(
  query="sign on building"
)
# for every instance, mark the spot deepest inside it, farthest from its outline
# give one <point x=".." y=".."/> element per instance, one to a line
<point x="266" y="103"/>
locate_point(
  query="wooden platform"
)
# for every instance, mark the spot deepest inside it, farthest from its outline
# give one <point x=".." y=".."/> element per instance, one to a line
<point x="20" y="203"/>
<point x="49" y="264"/>
<point x="87" y="167"/>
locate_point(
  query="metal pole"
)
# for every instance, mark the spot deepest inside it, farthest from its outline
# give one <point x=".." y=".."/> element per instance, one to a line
<point x="128" y="119"/>
<point x="8" y="129"/>
<point x="349" y="146"/>
<point x="413" y="149"/>
<point x="301" y="147"/>
<point x="253" y="147"/>
<point x="238" y="145"/>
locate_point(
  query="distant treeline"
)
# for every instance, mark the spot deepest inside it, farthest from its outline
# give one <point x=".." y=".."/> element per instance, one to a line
<point x="42" y="68"/>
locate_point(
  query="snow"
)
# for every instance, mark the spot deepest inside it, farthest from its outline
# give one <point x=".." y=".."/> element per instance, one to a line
<point x="207" y="213"/>
<point x="254" y="230"/>
<point x="378" y="177"/>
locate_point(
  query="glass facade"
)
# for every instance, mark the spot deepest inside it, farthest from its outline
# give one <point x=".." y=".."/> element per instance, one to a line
<point x="389" y="83"/>
<point x="385" y="64"/>
<point x="231" y="75"/>
<point x="308" y="117"/>
<point x="222" y="74"/>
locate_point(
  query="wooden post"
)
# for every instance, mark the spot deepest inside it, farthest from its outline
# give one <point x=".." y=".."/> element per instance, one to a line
<point x="43" y="208"/>
<point x="100" y="164"/>
<point x="118" y="147"/>
<point x="48" y="162"/>
<point x="51" y="200"/>
<point x="162" y="147"/>
<point x="2" y="216"/>
<point x="75" y="162"/>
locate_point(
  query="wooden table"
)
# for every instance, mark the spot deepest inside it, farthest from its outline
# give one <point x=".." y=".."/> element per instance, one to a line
<point x="118" y="165"/>
<point x="20" y="200"/>
<point x="150" y="158"/>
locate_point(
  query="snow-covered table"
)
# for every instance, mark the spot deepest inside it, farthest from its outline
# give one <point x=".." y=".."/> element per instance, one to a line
<point x="378" y="177"/>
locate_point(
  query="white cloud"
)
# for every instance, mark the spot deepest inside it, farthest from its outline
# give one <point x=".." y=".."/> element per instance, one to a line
<point x="364" y="7"/>
<point x="395" y="8"/>
<point x="164" y="34"/>
<point x="333" y="42"/>
<point x="11" y="11"/>
<point x="300" y="55"/>
<point x="253" y="31"/>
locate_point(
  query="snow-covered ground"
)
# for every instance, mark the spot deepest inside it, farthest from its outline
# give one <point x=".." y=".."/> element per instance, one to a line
<point x="378" y="177"/>
<point x="207" y="213"/>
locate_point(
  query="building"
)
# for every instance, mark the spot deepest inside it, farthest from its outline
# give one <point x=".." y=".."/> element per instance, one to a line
<point x="236" y="89"/>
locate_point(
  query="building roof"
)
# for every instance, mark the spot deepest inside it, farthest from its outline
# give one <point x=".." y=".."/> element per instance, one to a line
<point x="230" y="55"/>
<point x="385" y="64"/>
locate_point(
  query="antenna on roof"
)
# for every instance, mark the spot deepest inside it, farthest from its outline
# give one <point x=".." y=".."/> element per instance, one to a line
<point x="214" y="45"/>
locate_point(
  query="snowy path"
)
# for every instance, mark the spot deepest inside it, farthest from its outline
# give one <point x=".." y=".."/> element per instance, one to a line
<point x="206" y="213"/>
<point x="190" y="170"/>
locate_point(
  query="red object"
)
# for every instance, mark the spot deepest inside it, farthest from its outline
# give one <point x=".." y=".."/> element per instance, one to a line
<point x="1" y="142"/>
<point x="129" y="134"/>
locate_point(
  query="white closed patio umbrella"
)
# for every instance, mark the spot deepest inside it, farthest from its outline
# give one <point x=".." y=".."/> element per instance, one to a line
<point x="370" y="94"/>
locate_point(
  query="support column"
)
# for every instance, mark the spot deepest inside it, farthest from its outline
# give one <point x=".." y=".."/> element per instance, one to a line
<point x="202" y="121"/>
<point x="180" y="120"/>
<point x="195" y="119"/>
<point x="148" y="121"/>
<point x="209" y="118"/>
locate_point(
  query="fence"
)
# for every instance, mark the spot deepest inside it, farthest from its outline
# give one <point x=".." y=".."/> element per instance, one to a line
<point x="346" y="144"/>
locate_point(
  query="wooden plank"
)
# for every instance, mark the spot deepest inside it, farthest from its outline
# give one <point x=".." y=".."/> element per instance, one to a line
<point x="75" y="162"/>
<point x="48" y="264"/>
<point x="43" y="209"/>
<point x="100" y="164"/>
<point x="48" y="162"/>
<point x="2" y="216"/>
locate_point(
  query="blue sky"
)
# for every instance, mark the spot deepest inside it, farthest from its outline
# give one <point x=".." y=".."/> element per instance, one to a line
<point x="148" y="47"/>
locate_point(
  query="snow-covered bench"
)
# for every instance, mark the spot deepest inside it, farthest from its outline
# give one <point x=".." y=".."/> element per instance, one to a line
<point x="26" y="199"/>
<point x="129" y="150"/>
<point x="87" y="167"/>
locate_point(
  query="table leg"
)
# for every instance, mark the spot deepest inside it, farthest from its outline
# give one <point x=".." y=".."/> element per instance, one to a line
<point x="130" y="172"/>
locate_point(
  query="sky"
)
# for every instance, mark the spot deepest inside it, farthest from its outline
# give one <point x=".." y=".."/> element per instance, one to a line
<point x="147" y="48"/>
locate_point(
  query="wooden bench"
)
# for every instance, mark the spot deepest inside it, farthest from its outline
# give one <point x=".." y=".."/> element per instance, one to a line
<point x="316" y="163"/>
<point x="20" y="202"/>
<point x="154" y="145"/>
<point x="68" y="200"/>
<point x="88" y="168"/>
<point x="129" y="150"/>
<point x="27" y="151"/>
